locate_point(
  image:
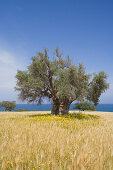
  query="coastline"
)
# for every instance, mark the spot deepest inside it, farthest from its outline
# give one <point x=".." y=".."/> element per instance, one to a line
<point x="100" y="113"/>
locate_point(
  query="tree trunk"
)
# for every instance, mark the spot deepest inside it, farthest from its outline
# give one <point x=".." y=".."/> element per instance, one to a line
<point x="60" y="108"/>
<point x="64" y="108"/>
<point x="55" y="107"/>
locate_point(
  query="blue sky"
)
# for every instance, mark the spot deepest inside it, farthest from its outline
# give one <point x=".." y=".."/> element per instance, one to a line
<point x="83" y="29"/>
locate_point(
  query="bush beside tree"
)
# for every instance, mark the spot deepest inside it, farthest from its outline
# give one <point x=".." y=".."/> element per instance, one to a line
<point x="84" y="106"/>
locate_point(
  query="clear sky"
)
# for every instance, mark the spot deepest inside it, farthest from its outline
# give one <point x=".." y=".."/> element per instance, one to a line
<point x="83" y="29"/>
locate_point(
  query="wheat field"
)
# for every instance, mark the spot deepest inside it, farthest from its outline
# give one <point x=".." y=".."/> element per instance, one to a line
<point x="37" y="140"/>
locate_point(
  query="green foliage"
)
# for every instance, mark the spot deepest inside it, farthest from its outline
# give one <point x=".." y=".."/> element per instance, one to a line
<point x="8" y="105"/>
<point x="84" y="106"/>
<point x="56" y="79"/>
<point x="59" y="80"/>
<point x="97" y="86"/>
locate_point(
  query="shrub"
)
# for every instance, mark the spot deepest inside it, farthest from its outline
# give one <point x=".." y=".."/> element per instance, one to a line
<point x="84" y="106"/>
<point x="8" y="105"/>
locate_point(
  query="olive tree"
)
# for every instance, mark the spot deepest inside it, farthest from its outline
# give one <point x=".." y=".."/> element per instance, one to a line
<point x="54" y="78"/>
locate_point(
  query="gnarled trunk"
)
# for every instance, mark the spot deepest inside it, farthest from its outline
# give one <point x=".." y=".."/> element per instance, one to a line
<point x="60" y="108"/>
<point x="64" y="108"/>
<point x="55" y="107"/>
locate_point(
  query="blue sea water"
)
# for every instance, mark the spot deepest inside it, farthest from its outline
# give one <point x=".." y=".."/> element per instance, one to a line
<point x="44" y="107"/>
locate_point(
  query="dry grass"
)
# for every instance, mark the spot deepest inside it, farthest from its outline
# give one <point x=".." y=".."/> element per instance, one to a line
<point x="79" y="141"/>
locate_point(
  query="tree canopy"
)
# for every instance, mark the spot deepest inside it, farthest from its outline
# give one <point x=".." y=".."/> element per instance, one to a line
<point x="56" y="79"/>
<point x="8" y="105"/>
<point x="97" y="86"/>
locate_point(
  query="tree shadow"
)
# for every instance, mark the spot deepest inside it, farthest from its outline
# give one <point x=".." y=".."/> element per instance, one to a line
<point x="79" y="116"/>
<point x="40" y="115"/>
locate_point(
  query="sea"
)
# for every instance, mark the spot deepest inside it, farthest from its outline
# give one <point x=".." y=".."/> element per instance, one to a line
<point x="47" y="107"/>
